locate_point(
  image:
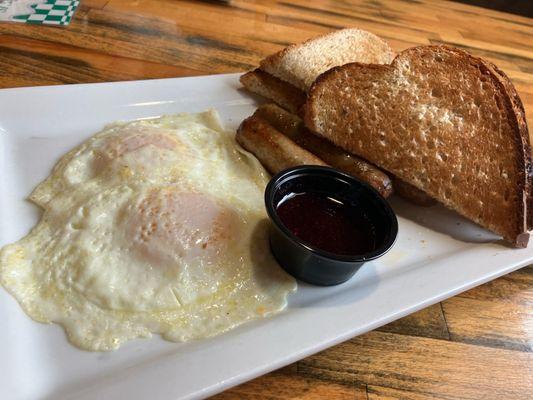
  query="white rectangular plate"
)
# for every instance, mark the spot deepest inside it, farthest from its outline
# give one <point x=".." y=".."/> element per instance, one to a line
<point x="438" y="254"/>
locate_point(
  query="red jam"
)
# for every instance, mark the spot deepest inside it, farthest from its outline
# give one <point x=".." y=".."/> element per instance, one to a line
<point x="327" y="223"/>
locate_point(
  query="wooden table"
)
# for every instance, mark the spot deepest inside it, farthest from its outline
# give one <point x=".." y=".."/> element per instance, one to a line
<point x="477" y="345"/>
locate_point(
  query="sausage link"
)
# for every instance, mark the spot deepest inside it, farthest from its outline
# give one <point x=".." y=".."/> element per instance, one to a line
<point x="273" y="149"/>
<point x="292" y="126"/>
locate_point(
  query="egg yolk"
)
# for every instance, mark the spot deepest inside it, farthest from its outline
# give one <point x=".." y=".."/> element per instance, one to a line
<point x="141" y="137"/>
<point x="168" y="226"/>
<point x="129" y="145"/>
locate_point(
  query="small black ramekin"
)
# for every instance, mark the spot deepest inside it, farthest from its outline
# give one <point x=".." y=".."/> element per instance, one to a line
<point x="311" y="264"/>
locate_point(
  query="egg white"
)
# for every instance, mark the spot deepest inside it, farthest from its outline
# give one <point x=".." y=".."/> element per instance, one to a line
<point x="153" y="226"/>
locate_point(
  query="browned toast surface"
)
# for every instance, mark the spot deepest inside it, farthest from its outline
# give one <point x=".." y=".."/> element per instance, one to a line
<point x="440" y="119"/>
<point x="518" y="108"/>
<point x="301" y="63"/>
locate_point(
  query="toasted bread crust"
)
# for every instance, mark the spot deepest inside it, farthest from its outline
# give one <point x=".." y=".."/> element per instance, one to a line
<point x="340" y="99"/>
<point x="520" y="113"/>
<point x="299" y="64"/>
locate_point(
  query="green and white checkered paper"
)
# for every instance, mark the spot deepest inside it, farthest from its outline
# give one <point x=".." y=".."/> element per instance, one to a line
<point x="46" y="12"/>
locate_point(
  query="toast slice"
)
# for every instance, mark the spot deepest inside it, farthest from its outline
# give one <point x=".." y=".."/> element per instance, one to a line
<point x="518" y="108"/>
<point x="440" y="119"/>
<point x="300" y="64"/>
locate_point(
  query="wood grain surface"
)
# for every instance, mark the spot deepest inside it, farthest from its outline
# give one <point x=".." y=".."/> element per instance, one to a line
<point x="477" y="345"/>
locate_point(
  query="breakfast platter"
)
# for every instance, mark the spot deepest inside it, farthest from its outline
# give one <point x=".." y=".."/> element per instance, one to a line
<point x="437" y="254"/>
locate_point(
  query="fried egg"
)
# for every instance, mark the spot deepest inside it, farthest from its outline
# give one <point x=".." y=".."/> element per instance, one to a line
<point x="152" y="226"/>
